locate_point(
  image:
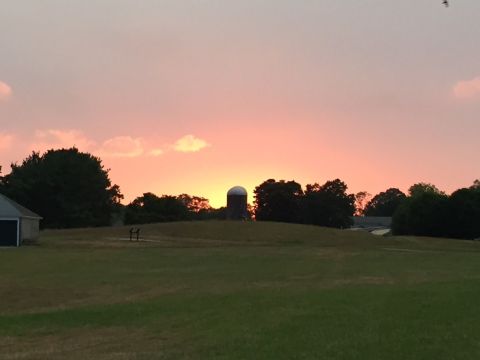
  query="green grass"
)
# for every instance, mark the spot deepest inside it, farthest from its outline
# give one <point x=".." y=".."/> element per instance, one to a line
<point x="223" y="290"/>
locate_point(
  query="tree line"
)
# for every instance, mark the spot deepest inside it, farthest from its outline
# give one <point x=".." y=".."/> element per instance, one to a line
<point x="70" y="189"/>
<point x="150" y="208"/>
<point x="424" y="211"/>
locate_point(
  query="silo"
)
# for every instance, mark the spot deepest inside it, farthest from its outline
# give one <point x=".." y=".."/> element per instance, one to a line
<point x="237" y="203"/>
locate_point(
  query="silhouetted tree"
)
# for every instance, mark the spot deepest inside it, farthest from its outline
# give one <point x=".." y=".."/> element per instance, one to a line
<point x="278" y="201"/>
<point x="150" y="208"/>
<point x="361" y="201"/>
<point x="328" y="205"/>
<point x="476" y="185"/>
<point x="385" y="203"/>
<point x="199" y="208"/>
<point x="211" y="214"/>
<point x="67" y="187"/>
<point x="464" y="213"/>
<point x="421" y="188"/>
<point x="423" y="214"/>
<point x="195" y="204"/>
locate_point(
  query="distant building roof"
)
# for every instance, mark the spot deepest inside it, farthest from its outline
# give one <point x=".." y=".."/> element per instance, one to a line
<point x="9" y="208"/>
<point x="372" y="222"/>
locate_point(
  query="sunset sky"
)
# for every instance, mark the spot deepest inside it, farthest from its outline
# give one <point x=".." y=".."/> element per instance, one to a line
<point x="196" y="96"/>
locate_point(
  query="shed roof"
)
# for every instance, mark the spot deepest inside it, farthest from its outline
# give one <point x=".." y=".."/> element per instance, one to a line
<point x="9" y="208"/>
<point x="372" y="221"/>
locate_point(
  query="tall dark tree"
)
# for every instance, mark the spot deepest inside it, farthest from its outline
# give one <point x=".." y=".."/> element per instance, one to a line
<point x="422" y="188"/>
<point x="464" y="213"/>
<point x="385" y="203"/>
<point x="67" y="187"/>
<point x="424" y="214"/>
<point x="278" y="201"/>
<point x="328" y="205"/>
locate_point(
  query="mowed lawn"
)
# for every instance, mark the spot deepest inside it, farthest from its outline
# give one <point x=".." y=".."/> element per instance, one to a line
<point x="226" y="290"/>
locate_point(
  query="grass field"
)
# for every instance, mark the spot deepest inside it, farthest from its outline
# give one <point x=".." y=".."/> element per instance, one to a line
<point x="223" y="290"/>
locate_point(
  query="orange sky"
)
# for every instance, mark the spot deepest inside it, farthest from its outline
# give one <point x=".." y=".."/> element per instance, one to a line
<point x="198" y="96"/>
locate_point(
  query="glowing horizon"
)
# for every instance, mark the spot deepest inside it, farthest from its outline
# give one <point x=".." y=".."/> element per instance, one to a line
<point x="199" y="96"/>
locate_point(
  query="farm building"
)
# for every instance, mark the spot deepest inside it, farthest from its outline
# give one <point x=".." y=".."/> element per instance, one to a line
<point x="370" y="223"/>
<point x="17" y="223"/>
<point x="237" y="203"/>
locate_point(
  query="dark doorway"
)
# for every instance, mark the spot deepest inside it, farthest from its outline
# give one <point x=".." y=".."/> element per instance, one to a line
<point x="8" y="232"/>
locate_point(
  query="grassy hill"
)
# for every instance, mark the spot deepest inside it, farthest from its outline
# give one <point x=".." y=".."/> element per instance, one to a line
<point x="232" y="290"/>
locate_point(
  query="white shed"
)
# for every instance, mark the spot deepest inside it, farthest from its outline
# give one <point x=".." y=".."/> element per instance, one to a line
<point x="17" y="223"/>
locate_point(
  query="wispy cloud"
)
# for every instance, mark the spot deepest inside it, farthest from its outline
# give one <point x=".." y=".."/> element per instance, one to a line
<point x="118" y="146"/>
<point x="156" y="152"/>
<point x="190" y="143"/>
<point x="57" y="139"/>
<point x="122" y="146"/>
<point x="6" y="141"/>
<point x="467" y="89"/>
<point x="5" y="91"/>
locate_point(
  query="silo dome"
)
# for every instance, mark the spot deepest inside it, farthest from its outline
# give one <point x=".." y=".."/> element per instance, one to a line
<point x="237" y="203"/>
<point x="237" y="191"/>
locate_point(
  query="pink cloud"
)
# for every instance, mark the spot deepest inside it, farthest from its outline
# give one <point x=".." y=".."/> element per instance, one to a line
<point x="118" y="146"/>
<point x="190" y="143"/>
<point x="122" y="146"/>
<point x="156" y="152"/>
<point x="57" y="139"/>
<point x="6" y="141"/>
<point x="467" y="89"/>
<point x="5" y="91"/>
